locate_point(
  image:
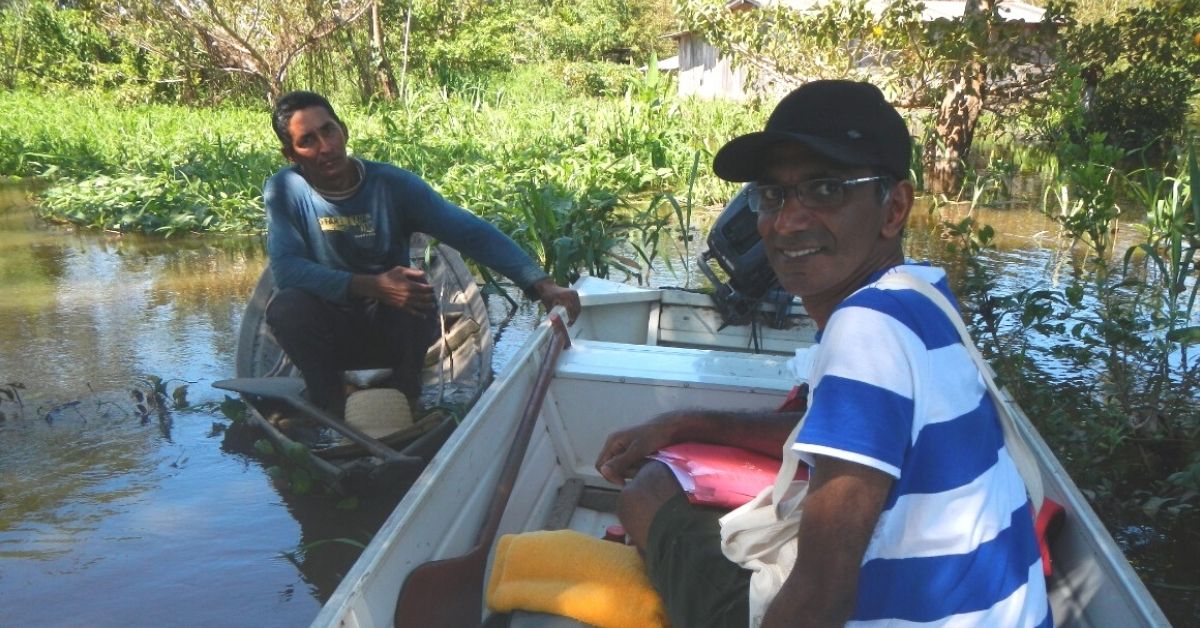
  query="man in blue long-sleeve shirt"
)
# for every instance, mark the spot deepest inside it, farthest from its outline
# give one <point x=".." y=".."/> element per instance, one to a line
<point x="338" y="232"/>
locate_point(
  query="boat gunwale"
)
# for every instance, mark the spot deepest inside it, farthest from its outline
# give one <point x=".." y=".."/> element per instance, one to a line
<point x="411" y="504"/>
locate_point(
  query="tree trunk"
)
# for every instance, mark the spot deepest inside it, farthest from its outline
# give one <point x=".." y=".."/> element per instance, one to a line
<point x="407" y="32"/>
<point x="947" y="150"/>
<point x="384" y="79"/>
<point x="363" y="65"/>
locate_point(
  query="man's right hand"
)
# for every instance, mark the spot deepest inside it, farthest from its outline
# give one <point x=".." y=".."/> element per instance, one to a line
<point x="625" y="451"/>
<point x="401" y="287"/>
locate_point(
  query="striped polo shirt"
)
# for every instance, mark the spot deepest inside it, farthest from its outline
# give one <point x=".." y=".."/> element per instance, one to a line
<point x="895" y="390"/>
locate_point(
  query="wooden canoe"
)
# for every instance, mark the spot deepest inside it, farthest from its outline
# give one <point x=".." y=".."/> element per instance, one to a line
<point x="457" y="369"/>
<point x="635" y="353"/>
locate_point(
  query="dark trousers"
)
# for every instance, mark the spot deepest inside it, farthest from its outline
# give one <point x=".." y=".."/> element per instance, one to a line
<point x="323" y="339"/>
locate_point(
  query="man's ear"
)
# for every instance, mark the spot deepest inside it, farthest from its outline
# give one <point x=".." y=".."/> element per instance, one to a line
<point x="897" y="206"/>
<point x="287" y="153"/>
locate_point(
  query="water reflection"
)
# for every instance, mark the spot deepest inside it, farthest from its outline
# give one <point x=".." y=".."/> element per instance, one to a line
<point x="120" y="307"/>
<point x="105" y="520"/>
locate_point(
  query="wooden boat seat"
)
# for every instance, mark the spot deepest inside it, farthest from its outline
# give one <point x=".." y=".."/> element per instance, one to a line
<point x="623" y="363"/>
<point x="685" y="325"/>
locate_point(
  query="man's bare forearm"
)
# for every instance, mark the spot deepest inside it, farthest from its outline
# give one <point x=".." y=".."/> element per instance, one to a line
<point x="763" y="432"/>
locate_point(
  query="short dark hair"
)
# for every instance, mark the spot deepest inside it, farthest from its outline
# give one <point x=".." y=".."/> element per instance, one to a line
<point x="289" y="104"/>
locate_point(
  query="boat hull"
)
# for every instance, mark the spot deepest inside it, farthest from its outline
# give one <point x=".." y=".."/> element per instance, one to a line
<point x="627" y="362"/>
<point x="457" y="369"/>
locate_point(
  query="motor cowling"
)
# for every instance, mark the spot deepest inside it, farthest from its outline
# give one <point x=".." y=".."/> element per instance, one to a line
<point x="735" y="245"/>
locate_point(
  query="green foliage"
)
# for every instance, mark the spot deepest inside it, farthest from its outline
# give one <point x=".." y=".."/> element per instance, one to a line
<point x="1083" y="199"/>
<point x="456" y="40"/>
<point x="149" y="168"/>
<point x="964" y="237"/>
<point x="541" y="168"/>
<point x="889" y="45"/>
<point x="1137" y="70"/>
<point x="233" y="409"/>
<point x="457" y="43"/>
<point x="613" y="30"/>
<point x="1101" y="360"/>
<point x="42" y="44"/>
<point x="231" y="49"/>
<point x="597" y="78"/>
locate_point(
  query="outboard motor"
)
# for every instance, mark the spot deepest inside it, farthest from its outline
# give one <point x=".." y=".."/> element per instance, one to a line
<point x="738" y="249"/>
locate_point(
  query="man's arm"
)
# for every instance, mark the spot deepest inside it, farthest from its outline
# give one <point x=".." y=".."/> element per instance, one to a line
<point x="293" y="262"/>
<point x="481" y="241"/>
<point x="841" y="510"/>
<point x="626" y="450"/>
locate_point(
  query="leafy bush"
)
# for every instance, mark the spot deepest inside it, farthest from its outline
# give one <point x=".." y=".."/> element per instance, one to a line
<point x="597" y="78"/>
<point x="1138" y="72"/>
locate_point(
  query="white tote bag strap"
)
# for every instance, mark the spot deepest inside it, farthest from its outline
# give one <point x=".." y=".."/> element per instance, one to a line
<point x="787" y="469"/>
<point x="802" y="369"/>
<point x="1017" y="448"/>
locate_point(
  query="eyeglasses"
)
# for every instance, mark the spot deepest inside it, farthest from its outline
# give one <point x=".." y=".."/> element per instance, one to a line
<point x="813" y="194"/>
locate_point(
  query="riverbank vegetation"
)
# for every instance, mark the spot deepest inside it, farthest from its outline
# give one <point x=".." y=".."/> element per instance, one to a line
<point x="538" y="116"/>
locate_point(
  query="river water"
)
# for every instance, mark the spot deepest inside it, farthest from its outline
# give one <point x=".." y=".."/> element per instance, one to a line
<point x="110" y="519"/>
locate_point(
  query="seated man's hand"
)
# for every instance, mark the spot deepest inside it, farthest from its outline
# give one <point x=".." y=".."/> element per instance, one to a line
<point x="625" y="451"/>
<point x="402" y="287"/>
<point x="553" y="294"/>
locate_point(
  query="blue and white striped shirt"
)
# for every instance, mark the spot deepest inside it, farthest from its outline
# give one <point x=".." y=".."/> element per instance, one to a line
<point x="895" y="390"/>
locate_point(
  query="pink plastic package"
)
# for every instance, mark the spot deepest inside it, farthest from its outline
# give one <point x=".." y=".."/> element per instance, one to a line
<point x="718" y="475"/>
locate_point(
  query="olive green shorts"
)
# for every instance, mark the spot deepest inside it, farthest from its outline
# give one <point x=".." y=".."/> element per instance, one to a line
<point x="699" y="586"/>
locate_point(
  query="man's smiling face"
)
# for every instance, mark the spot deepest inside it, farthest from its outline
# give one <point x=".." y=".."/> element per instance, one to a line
<point x="823" y="255"/>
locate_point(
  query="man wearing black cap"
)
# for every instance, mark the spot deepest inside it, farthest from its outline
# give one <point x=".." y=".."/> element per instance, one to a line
<point x="915" y="512"/>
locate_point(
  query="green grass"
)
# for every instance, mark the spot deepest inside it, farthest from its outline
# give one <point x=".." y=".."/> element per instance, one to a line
<point x="501" y="151"/>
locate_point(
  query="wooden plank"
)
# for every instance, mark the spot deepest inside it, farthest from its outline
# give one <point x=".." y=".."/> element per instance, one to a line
<point x="599" y="499"/>
<point x="564" y="504"/>
<point x="653" y="325"/>
<point x="700" y="327"/>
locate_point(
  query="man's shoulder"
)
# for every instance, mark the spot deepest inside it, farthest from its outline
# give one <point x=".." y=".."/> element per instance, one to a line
<point x="887" y="288"/>
<point x="387" y="171"/>
<point x="887" y="302"/>
<point x="286" y="173"/>
<point x="286" y="178"/>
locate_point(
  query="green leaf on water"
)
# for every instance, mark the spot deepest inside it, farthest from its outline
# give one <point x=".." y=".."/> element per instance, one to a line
<point x="297" y="452"/>
<point x="234" y="409"/>
<point x="264" y="447"/>
<point x="350" y="503"/>
<point x="301" y="481"/>
<point x="275" y="472"/>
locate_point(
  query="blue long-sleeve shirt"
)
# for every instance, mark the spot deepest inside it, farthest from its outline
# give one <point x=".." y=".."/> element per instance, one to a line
<point x="317" y="245"/>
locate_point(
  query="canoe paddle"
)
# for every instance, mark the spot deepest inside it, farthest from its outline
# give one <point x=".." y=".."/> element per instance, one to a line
<point x="288" y="389"/>
<point x="449" y="593"/>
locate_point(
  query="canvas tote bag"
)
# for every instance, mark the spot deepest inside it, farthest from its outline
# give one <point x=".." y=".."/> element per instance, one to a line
<point x="761" y="535"/>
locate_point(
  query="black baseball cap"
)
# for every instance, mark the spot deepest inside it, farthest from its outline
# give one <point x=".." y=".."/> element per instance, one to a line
<point x="846" y="121"/>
